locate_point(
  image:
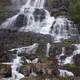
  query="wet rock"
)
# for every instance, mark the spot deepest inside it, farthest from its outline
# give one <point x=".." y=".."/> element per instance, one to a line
<point x="69" y="50"/>
<point x="39" y="14"/>
<point x="20" y="21"/>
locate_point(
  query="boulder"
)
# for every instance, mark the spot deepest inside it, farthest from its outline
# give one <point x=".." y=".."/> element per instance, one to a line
<point x="39" y="14"/>
<point x="21" y="21"/>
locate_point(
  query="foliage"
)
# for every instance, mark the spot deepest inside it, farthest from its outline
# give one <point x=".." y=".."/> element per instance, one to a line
<point x="73" y="9"/>
<point x="69" y="42"/>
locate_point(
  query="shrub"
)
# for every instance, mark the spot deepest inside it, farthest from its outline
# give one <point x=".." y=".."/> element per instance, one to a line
<point x="73" y="9"/>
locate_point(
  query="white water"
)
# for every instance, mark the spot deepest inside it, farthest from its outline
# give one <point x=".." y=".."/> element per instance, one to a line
<point x="65" y="73"/>
<point x="18" y="62"/>
<point x="28" y="50"/>
<point x="68" y="60"/>
<point x="48" y="49"/>
<point x="56" y="27"/>
<point x="59" y="56"/>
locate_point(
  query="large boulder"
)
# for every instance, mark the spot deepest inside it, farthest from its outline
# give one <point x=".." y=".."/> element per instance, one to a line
<point x="56" y="7"/>
<point x="39" y="14"/>
<point x="21" y="21"/>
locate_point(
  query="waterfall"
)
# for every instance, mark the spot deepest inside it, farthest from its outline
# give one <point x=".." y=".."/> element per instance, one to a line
<point x="26" y="50"/>
<point x="38" y="20"/>
<point x="16" y="64"/>
<point x="69" y="59"/>
<point x="48" y="49"/>
<point x="61" y="55"/>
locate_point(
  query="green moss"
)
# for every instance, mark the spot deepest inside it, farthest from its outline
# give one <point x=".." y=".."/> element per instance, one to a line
<point x="71" y="66"/>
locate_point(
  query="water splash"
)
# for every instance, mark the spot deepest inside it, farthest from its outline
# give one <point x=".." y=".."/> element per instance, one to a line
<point x="27" y="50"/>
<point x="33" y="61"/>
<point x="59" y="56"/>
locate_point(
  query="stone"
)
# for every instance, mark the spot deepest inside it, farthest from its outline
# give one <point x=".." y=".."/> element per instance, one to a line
<point x="39" y="14"/>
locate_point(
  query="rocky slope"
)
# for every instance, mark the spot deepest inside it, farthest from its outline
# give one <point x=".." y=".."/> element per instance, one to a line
<point x="55" y="59"/>
<point x="13" y="39"/>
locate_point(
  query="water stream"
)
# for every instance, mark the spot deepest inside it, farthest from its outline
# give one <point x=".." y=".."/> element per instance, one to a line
<point x="35" y="18"/>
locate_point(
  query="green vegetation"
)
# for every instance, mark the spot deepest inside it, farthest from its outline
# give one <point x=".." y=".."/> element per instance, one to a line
<point x="69" y="42"/>
<point x="73" y="9"/>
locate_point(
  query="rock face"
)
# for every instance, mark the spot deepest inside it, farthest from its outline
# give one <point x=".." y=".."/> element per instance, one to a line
<point x="20" y="21"/>
<point x="39" y="14"/>
<point x="13" y="39"/>
<point x="5" y="71"/>
<point x="56" y="7"/>
<point x="16" y="4"/>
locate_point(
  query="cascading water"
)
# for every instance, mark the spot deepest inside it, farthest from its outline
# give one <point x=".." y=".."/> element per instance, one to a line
<point x="67" y="60"/>
<point x="48" y="49"/>
<point x="38" y="20"/>
<point x="59" y="56"/>
<point x="17" y="62"/>
<point x="35" y="18"/>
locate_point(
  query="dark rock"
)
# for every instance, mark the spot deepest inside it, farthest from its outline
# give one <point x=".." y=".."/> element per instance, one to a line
<point x="69" y="50"/>
<point x="5" y="71"/>
<point x="56" y="7"/>
<point x="12" y="39"/>
<point x="39" y="14"/>
<point x="76" y="59"/>
<point x="20" y="21"/>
